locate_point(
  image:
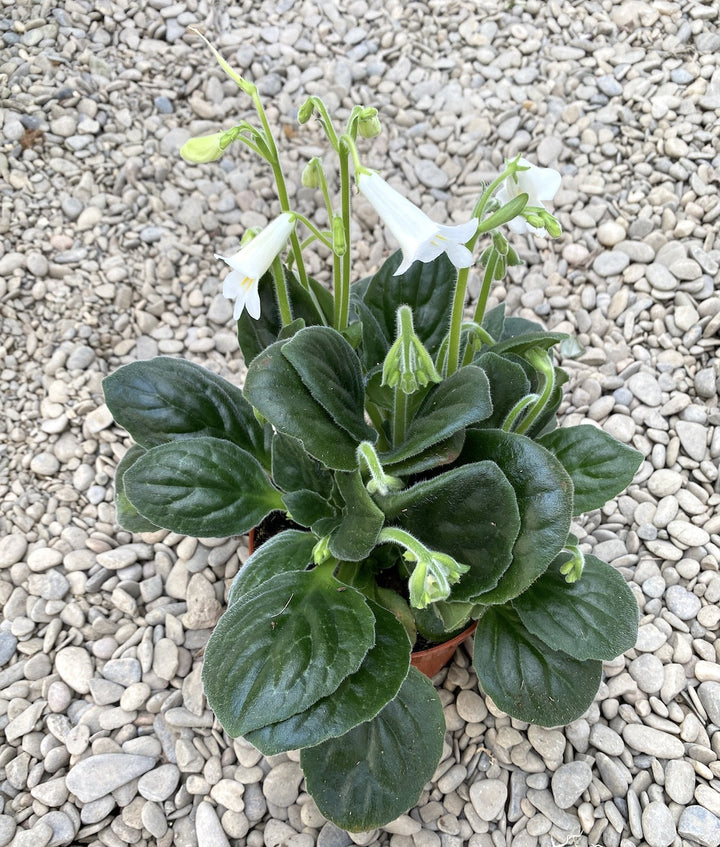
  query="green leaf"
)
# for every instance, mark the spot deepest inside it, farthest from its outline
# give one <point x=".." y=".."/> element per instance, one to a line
<point x="508" y="385"/>
<point x="543" y="491"/>
<point x="599" y="466"/>
<point x="525" y="677"/>
<point x="458" y="401"/>
<point x="358" y="698"/>
<point x="469" y="513"/>
<point x="330" y="370"/>
<point x="127" y="515"/>
<point x="201" y="486"/>
<point x="290" y="550"/>
<point x="494" y="321"/>
<point x="520" y="343"/>
<point x="283" y="647"/>
<point x="372" y="774"/>
<point x="593" y="618"/>
<point x="443" y="453"/>
<point x="255" y="335"/>
<point x="294" y="470"/>
<point x="307" y="507"/>
<point x="274" y="387"/>
<point x="164" y="399"/>
<point x="429" y="286"/>
<point x="361" y="523"/>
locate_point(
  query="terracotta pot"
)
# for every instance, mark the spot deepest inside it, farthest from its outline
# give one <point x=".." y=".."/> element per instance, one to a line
<point x="428" y="661"/>
<point x="435" y="658"/>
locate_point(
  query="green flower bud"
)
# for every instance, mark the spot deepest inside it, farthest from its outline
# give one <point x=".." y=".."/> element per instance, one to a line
<point x="552" y="225"/>
<point x="305" y="112"/>
<point x="432" y="578"/>
<point x="203" y="148"/>
<point x="368" y="125"/>
<point x="312" y="174"/>
<point x="408" y="365"/>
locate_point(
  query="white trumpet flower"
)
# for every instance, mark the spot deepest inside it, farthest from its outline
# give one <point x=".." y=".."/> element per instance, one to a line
<point x="540" y="185"/>
<point x="420" y="238"/>
<point x="251" y="262"/>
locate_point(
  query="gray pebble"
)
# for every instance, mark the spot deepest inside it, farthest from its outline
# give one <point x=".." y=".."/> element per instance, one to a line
<point x="709" y="693"/>
<point x="208" y="828"/>
<point x="569" y="782"/>
<point x="700" y="826"/>
<point x="94" y="777"/>
<point x="63" y="828"/>
<point x="679" y="781"/>
<point x="682" y="603"/>
<point x="488" y="798"/>
<point x="648" y="671"/>
<point x="8" y="643"/>
<point x="654" y="742"/>
<point x="75" y="667"/>
<point x="12" y="549"/>
<point x="645" y="387"/>
<point x="282" y="784"/>
<point x="611" y="263"/>
<point x="159" y="784"/>
<point x="658" y="825"/>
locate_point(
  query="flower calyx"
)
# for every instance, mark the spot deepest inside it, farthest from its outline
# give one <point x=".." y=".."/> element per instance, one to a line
<point x="408" y="365"/>
<point x="379" y="482"/>
<point x="434" y="573"/>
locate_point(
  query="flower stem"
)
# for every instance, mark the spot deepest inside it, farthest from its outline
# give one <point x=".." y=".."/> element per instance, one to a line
<point x="342" y="292"/>
<point x="540" y="359"/>
<point x="281" y="291"/>
<point x="399" y="416"/>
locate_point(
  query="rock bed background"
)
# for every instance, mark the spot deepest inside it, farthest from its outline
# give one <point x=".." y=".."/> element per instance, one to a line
<point x="106" y="257"/>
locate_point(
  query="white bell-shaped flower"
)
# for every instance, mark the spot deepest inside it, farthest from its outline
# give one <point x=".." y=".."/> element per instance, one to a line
<point x="420" y="238"/>
<point x="251" y="262"/>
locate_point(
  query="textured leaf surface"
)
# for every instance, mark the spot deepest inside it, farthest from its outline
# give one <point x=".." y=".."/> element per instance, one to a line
<point x="164" y="399"/>
<point x="201" y="487"/>
<point x="469" y="513"/>
<point x="458" y="401"/>
<point x="274" y="387"/>
<point x="127" y="515"/>
<point x="372" y="774"/>
<point x="543" y="491"/>
<point x="593" y="618"/>
<point x="599" y="465"/>
<point x="525" y="677"/>
<point x="358" y="698"/>
<point x="283" y="647"/>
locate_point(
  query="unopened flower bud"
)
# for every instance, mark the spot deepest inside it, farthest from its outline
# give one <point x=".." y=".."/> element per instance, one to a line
<point x="312" y="174"/>
<point x="368" y="123"/>
<point x="305" y="112"/>
<point x="203" y="148"/>
<point x="408" y="365"/>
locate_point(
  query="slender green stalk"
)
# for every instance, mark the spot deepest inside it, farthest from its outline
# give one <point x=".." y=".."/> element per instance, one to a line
<point x="281" y="292"/>
<point x="400" y="411"/>
<point x="456" y="319"/>
<point x="378" y="422"/>
<point x="540" y="359"/>
<point x="342" y="292"/>
<point x="488" y="277"/>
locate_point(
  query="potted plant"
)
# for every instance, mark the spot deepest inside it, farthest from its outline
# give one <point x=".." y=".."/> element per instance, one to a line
<point x="417" y="454"/>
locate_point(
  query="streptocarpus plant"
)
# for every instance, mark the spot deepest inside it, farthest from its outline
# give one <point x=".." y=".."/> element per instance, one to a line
<point x="417" y="454"/>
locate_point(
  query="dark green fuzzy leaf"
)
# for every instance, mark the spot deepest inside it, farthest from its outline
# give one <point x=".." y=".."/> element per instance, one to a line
<point x="359" y="697"/>
<point x="307" y="507"/>
<point x="330" y="370"/>
<point x="525" y="677"/>
<point x="361" y="523"/>
<point x="469" y="513"/>
<point x="456" y="402"/>
<point x="376" y="771"/>
<point x="290" y="550"/>
<point x="543" y="491"/>
<point x="520" y="343"/>
<point x="599" y="465"/>
<point x="443" y="453"/>
<point x="294" y="470"/>
<point x="127" y="515"/>
<point x="165" y="399"/>
<point x="201" y="487"/>
<point x="508" y="385"/>
<point x="283" y="647"/>
<point x="274" y="387"/>
<point x="593" y="618"/>
<point x="494" y="321"/>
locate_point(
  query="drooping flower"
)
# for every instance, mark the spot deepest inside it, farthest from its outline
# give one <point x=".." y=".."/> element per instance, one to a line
<point x="420" y="238"/>
<point x="252" y="261"/>
<point x="540" y="184"/>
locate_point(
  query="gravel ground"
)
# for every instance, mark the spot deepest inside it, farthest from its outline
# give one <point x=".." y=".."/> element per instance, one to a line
<point x="106" y="256"/>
